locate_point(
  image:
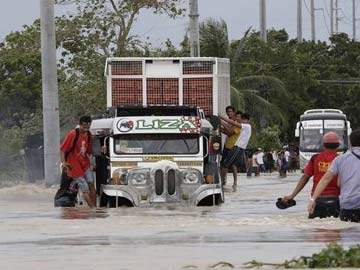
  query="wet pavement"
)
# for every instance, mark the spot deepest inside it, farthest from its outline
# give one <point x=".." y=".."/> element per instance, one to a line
<point x="248" y="226"/>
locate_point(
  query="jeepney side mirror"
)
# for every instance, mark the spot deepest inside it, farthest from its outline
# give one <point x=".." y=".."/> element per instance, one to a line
<point x="205" y="131"/>
<point x="111" y="112"/>
<point x="97" y="146"/>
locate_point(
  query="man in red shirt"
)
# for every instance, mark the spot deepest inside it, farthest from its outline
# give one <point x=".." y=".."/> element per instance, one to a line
<point x="327" y="204"/>
<point x="75" y="159"/>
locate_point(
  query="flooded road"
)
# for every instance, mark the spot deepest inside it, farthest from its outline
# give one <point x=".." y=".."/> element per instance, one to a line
<point x="35" y="235"/>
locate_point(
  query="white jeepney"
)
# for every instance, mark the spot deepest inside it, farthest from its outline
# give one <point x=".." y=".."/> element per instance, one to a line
<point x="161" y="131"/>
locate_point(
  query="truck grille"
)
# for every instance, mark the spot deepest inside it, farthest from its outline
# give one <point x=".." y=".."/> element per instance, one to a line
<point x="159" y="182"/>
<point x="171" y="182"/>
<point x="165" y="181"/>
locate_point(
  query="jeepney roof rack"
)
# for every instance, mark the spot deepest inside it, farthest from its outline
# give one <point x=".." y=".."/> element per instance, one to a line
<point x="156" y="110"/>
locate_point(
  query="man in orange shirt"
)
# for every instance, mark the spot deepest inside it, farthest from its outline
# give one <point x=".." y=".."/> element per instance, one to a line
<point x="327" y="204"/>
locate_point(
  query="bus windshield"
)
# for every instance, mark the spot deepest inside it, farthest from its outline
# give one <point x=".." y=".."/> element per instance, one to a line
<point x="341" y="132"/>
<point x="135" y="144"/>
<point x="311" y="139"/>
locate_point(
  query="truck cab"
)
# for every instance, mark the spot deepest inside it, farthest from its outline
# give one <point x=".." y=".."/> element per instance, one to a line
<point x="157" y="155"/>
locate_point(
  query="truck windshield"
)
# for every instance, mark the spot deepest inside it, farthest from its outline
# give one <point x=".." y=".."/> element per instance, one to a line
<point x="134" y="144"/>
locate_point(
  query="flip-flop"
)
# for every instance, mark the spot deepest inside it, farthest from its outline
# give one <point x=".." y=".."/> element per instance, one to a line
<point x="283" y="205"/>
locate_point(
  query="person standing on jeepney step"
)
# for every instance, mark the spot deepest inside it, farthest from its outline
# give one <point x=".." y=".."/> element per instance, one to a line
<point x="327" y="204"/>
<point x="229" y="144"/>
<point x="75" y="159"/>
<point x="228" y="130"/>
<point x="347" y="168"/>
<point x="237" y="155"/>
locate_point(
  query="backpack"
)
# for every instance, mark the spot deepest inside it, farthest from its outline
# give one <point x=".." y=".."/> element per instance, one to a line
<point x="66" y="194"/>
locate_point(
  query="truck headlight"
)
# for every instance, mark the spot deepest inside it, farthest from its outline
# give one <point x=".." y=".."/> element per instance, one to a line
<point x="118" y="177"/>
<point x="138" y="176"/>
<point x="191" y="176"/>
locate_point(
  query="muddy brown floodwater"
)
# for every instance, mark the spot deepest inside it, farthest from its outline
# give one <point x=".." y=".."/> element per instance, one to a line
<point x="35" y="235"/>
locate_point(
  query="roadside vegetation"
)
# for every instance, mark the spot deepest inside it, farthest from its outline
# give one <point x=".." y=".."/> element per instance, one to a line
<point x="274" y="81"/>
<point x="332" y="256"/>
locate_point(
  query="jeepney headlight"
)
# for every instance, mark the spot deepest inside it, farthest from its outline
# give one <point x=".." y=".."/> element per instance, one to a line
<point x="118" y="176"/>
<point x="138" y="176"/>
<point x="191" y="176"/>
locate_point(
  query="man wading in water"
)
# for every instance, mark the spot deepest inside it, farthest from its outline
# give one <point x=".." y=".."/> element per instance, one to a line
<point x="347" y="168"/>
<point x="327" y="204"/>
<point x="75" y="159"/>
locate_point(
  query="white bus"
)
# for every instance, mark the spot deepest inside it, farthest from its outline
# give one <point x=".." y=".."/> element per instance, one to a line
<point x="313" y="125"/>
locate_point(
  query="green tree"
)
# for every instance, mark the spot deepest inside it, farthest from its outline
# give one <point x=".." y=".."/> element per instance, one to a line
<point x="214" y="40"/>
<point x="105" y="25"/>
<point x="20" y="75"/>
<point x="270" y="138"/>
<point x="99" y="29"/>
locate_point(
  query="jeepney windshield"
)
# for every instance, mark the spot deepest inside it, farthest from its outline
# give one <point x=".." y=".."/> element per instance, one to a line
<point x="134" y="144"/>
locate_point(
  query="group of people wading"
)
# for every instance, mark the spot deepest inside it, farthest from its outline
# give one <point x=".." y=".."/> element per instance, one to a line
<point x="336" y="178"/>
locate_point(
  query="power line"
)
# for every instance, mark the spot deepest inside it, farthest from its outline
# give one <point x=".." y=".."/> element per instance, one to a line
<point x="345" y="18"/>
<point x="327" y="27"/>
<point x="326" y="8"/>
<point x="306" y="6"/>
<point x="291" y="65"/>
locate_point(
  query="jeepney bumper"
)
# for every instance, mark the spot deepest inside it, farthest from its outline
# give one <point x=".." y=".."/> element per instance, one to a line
<point x="187" y="195"/>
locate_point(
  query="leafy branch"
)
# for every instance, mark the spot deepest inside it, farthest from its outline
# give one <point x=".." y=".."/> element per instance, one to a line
<point x="332" y="256"/>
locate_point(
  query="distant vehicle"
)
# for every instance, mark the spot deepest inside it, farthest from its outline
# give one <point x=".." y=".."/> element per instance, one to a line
<point x="313" y="125"/>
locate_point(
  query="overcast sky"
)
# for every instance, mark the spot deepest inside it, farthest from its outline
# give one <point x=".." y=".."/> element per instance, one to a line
<point x="238" y="14"/>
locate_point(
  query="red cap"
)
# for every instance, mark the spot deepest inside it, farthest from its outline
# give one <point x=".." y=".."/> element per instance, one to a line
<point x="331" y="137"/>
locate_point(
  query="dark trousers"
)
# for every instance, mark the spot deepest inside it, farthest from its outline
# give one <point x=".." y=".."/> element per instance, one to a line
<point x="352" y="215"/>
<point x="326" y="207"/>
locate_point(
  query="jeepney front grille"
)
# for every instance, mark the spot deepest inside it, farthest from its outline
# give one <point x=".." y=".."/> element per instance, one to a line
<point x="171" y="182"/>
<point x="159" y="182"/>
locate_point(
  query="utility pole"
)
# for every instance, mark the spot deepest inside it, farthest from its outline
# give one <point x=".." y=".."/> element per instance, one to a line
<point x="312" y="14"/>
<point x="336" y="17"/>
<point x="263" y="20"/>
<point x="354" y="20"/>
<point x="194" y="29"/>
<point x="299" y="20"/>
<point x="331" y="17"/>
<point x="50" y="93"/>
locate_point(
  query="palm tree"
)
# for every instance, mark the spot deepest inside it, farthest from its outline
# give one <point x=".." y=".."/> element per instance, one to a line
<point x="214" y="41"/>
<point x="262" y="97"/>
<point x="253" y="94"/>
